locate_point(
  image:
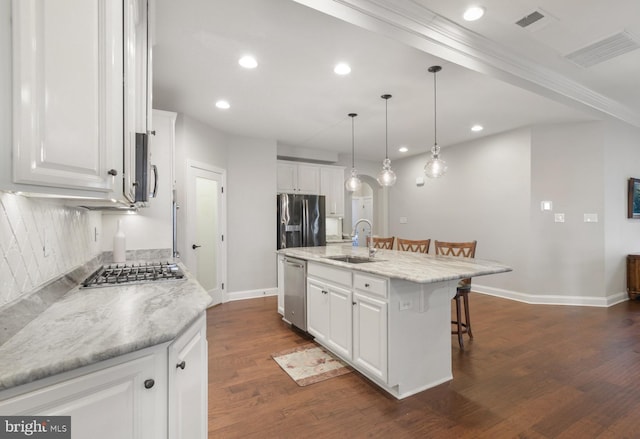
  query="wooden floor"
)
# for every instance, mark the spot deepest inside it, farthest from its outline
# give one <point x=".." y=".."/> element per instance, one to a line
<point x="532" y="371"/>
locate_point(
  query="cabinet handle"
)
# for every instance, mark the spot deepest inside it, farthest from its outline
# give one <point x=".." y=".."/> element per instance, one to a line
<point x="324" y="292"/>
<point x="181" y="365"/>
<point x="354" y="303"/>
<point x="149" y="383"/>
<point x="153" y="132"/>
<point x="367" y="285"/>
<point x="112" y="172"/>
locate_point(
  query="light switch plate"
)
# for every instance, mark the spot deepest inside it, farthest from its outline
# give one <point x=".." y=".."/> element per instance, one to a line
<point x="546" y="206"/>
<point x="559" y="217"/>
<point x="590" y="217"/>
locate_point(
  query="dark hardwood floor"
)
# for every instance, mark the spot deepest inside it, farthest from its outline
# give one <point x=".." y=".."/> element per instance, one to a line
<point x="532" y="371"/>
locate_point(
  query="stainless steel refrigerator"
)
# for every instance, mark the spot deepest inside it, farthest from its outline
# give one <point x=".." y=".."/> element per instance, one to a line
<point x="301" y="221"/>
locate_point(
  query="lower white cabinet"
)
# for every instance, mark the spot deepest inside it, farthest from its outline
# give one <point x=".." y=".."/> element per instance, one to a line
<point x="142" y="395"/>
<point x="348" y="313"/>
<point x="370" y="335"/>
<point x="188" y="384"/>
<point x="329" y="315"/>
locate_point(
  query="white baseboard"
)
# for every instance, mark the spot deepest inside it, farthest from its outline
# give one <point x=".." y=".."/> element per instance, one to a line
<point x="551" y="299"/>
<point x="251" y="294"/>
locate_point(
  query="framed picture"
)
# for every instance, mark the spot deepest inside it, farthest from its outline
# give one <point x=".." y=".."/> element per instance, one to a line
<point x="634" y="198"/>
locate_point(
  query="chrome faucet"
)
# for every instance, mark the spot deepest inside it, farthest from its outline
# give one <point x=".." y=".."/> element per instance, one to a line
<point x="372" y="251"/>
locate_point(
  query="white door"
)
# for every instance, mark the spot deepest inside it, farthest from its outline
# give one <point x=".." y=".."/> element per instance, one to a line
<point x="204" y="252"/>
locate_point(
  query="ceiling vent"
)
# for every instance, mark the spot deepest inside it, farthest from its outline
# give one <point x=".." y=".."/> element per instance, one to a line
<point x="536" y="20"/>
<point x="604" y="50"/>
<point x="530" y="19"/>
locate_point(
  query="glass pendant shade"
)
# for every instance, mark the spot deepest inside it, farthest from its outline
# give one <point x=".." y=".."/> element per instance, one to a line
<point x="386" y="177"/>
<point x="353" y="183"/>
<point x="435" y="167"/>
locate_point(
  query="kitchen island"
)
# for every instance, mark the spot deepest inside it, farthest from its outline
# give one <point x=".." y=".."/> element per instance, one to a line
<point x="389" y="318"/>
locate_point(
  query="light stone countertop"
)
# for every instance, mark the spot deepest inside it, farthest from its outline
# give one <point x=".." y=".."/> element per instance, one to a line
<point x="89" y="325"/>
<point x="414" y="267"/>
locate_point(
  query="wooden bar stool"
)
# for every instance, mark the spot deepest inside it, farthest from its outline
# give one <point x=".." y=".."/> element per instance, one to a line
<point x="412" y="245"/>
<point x="384" y="243"/>
<point x="463" y="250"/>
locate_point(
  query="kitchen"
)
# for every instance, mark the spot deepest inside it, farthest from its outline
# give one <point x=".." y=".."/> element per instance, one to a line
<point x="543" y="166"/>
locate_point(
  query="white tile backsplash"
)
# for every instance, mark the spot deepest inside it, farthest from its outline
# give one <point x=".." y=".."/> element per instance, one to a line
<point x="31" y="228"/>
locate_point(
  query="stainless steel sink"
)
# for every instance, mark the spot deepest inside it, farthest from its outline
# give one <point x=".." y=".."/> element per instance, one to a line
<point x="353" y="259"/>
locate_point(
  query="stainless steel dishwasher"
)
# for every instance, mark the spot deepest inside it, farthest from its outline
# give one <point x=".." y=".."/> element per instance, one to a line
<point x="295" y="292"/>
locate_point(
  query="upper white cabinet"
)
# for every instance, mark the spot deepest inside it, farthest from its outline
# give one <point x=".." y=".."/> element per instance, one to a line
<point x="307" y="178"/>
<point x="78" y="95"/>
<point x="332" y="187"/>
<point x="298" y="178"/>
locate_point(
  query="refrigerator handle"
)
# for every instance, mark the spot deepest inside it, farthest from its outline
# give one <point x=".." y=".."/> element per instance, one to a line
<point x="305" y="212"/>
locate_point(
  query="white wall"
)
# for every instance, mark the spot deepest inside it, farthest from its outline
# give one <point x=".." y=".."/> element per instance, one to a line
<point x="251" y="203"/>
<point x="621" y="158"/>
<point x="484" y="197"/>
<point x="567" y="259"/>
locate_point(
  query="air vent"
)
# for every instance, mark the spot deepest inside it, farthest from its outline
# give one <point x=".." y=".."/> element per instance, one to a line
<point x="530" y="19"/>
<point x="604" y="50"/>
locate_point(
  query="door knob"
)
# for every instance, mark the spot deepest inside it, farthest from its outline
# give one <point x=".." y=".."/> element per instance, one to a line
<point x="194" y="246"/>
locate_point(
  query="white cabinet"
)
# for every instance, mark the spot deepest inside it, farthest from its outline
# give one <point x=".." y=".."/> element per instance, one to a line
<point x="127" y="400"/>
<point x="80" y="87"/>
<point x="329" y="308"/>
<point x="280" y="284"/>
<point x="370" y="335"/>
<point x="298" y="178"/>
<point x="188" y="384"/>
<point x="158" y="392"/>
<point x="332" y="187"/>
<point x="68" y="103"/>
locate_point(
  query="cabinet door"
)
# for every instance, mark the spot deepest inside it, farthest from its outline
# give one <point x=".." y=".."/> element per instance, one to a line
<point x="287" y="178"/>
<point x="317" y="310"/>
<point x="340" y="313"/>
<point x="370" y="335"/>
<point x="308" y="179"/>
<point x="110" y="403"/>
<point x="281" y="284"/>
<point x="332" y="187"/>
<point x="188" y="383"/>
<point x="67" y="59"/>
<point x="136" y="73"/>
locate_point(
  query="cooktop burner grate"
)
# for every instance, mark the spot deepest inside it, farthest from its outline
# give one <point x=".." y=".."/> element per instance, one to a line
<point x="117" y="274"/>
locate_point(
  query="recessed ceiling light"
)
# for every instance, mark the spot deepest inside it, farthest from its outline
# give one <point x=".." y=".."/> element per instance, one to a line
<point x="477" y="128"/>
<point x="223" y="105"/>
<point x="473" y="13"/>
<point x="342" y="69"/>
<point x="403" y="149"/>
<point x="248" y="62"/>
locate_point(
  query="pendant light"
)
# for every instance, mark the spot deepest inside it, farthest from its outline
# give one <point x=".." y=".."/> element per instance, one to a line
<point x="353" y="183"/>
<point x="435" y="167"/>
<point x="386" y="177"/>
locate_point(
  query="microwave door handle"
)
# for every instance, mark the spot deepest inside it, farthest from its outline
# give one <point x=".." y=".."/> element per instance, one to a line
<point x="154" y="194"/>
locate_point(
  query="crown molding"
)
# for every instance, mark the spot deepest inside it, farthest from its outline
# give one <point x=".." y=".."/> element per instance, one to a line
<point x="414" y="24"/>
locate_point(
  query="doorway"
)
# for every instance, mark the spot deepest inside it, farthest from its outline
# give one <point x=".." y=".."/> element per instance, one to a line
<point x="205" y="250"/>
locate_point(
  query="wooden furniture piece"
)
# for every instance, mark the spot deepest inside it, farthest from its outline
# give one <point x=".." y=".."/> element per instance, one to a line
<point x="383" y="243"/>
<point x="633" y="276"/>
<point x="464" y="250"/>
<point x="412" y="245"/>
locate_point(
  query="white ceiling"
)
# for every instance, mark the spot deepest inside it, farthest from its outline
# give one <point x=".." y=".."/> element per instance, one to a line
<point x="294" y="96"/>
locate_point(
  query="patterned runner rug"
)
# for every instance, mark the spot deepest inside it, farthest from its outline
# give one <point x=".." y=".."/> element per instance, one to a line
<point x="309" y="364"/>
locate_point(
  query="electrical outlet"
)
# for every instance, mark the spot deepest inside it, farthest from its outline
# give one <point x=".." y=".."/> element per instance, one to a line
<point x="405" y="304"/>
<point x="559" y="217"/>
<point x="590" y="217"/>
<point x="403" y="220"/>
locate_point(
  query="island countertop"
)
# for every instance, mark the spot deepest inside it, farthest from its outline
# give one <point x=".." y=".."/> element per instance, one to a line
<point x="413" y="267"/>
<point x="88" y="325"/>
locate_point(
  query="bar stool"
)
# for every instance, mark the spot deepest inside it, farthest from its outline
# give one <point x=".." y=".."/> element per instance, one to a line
<point x="465" y="250"/>
<point x="412" y="245"/>
<point x="383" y="243"/>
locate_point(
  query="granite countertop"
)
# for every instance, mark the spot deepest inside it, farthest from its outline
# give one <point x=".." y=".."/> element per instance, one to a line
<point x="85" y="326"/>
<point x="414" y="267"/>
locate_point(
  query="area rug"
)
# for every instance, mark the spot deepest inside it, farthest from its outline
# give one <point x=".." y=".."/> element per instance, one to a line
<point x="309" y="364"/>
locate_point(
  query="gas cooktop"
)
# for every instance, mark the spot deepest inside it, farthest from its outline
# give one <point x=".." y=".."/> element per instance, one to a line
<point x="133" y="273"/>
